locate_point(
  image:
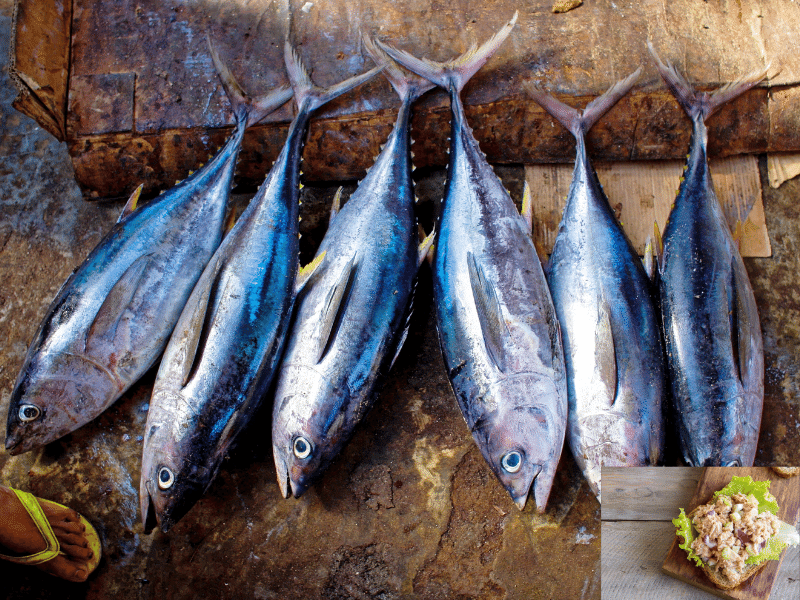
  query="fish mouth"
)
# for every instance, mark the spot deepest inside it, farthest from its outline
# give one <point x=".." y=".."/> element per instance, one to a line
<point x="149" y="516"/>
<point x="14" y="444"/>
<point x="541" y="484"/>
<point x="288" y="486"/>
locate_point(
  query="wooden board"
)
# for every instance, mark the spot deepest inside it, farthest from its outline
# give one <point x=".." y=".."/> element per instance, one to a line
<point x="642" y="194"/>
<point x="142" y="103"/>
<point x="787" y="494"/>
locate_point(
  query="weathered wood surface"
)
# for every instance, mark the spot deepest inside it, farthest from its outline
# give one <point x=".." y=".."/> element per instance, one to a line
<point x="145" y="105"/>
<point x="637" y="532"/>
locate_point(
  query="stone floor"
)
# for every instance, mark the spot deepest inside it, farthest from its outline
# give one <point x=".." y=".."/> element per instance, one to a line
<point x="410" y="510"/>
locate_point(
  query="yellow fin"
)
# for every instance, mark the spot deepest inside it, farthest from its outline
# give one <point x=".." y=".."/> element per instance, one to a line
<point x="527" y="206"/>
<point x="305" y="273"/>
<point x="425" y="248"/>
<point x="132" y="203"/>
<point x="336" y="205"/>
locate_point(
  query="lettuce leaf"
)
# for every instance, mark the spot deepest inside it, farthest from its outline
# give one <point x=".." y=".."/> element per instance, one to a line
<point x="766" y="502"/>
<point x="746" y="486"/>
<point x="684" y="530"/>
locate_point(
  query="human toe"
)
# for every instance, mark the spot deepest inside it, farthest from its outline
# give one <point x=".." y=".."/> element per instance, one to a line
<point x="77" y="552"/>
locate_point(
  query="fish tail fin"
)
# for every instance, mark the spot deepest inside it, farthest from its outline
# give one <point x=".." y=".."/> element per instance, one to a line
<point x="457" y="72"/>
<point x="304" y="88"/>
<point x="409" y="86"/>
<point x="247" y="109"/>
<point x="703" y="103"/>
<point x="579" y="122"/>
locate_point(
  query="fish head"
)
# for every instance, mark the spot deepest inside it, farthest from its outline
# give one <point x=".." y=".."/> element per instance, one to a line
<point x="310" y="425"/>
<point x="54" y="395"/>
<point x="521" y="439"/>
<point x="171" y="483"/>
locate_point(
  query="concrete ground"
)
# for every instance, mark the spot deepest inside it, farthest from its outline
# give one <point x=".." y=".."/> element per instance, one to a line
<point x="410" y="510"/>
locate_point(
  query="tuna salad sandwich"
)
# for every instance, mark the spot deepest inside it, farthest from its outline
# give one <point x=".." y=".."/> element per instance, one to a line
<point x="733" y="536"/>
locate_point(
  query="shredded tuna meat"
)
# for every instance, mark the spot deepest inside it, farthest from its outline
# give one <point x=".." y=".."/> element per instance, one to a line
<point x="731" y="530"/>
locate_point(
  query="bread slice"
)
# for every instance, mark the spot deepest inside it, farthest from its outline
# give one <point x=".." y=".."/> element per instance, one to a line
<point x="719" y="580"/>
<point x="787" y="471"/>
<point x="726" y="583"/>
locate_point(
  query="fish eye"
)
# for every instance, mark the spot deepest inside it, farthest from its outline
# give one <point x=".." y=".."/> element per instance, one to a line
<point x="29" y="412"/>
<point x="165" y="478"/>
<point x="302" y="447"/>
<point x="511" y="461"/>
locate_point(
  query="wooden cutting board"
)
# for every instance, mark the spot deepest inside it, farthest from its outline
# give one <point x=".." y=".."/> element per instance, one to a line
<point x="759" y="587"/>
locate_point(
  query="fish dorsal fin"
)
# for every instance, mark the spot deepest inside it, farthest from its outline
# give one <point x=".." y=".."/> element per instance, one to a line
<point x="104" y="326"/>
<point x="425" y="248"/>
<point x="336" y="206"/>
<point x="131" y="204"/>
<point x="335" y="305"/>
<point x="305" y="273"/>
<point x="490" y="313"/>
<point x="605" y="353"/>
<point x="200" y="321"/>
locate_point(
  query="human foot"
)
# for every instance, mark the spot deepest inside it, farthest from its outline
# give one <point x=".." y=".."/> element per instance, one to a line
<point x="20" y="536"/>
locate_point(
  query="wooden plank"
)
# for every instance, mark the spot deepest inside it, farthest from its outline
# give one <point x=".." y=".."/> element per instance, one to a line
<point x="787" y="494"/>
<point x="39" y="61"/>
<point x="160" y="50"/>
<point x="642" y="193"/>
<point x="647" y="493"/>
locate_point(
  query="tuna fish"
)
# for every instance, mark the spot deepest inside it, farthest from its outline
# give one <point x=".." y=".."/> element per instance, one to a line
<point x="112" y="318"/>
<point x="609" y="319"/>
<point x="351" y="320"/>
<point x="713" y="338"/>
<point x="223" y="354"/>
<point x="498" y="329"/>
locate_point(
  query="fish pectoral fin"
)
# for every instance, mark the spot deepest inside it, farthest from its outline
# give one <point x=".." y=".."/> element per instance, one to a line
<point x="335" y="305"/>
<point x="605" y="352"/>
<point x="199" y="322"/>
<point x="336" y="205"/>
<point x="490" y="313"/>
<point x="743" y="319"/>
<point x="104" y="326"/>
<point x="131" y="204"/>
<point x="304" y="274"/>
<point x="406" y="324"/>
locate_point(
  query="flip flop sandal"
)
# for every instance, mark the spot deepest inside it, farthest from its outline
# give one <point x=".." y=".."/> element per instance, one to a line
<point x="33" y="506"/>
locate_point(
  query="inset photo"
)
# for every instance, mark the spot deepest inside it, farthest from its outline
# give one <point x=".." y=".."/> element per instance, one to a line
<point x="695" y="533"/>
